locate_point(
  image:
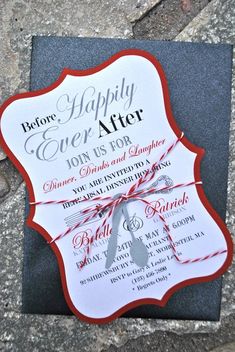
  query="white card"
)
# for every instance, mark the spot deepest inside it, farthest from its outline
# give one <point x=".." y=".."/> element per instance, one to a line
<point x="94" y="133"/>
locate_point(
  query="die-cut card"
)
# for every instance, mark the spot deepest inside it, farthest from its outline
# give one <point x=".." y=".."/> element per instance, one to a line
<point x="115" y="187"/>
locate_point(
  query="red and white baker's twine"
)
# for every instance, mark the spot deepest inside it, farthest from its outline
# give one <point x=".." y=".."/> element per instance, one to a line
<point x="134" y="193"/>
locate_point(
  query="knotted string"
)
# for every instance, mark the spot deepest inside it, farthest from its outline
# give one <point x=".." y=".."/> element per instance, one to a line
<point x="134" y="192"/>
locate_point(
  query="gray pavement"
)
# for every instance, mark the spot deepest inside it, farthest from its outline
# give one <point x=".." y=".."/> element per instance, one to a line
<point x="205" y="21"/>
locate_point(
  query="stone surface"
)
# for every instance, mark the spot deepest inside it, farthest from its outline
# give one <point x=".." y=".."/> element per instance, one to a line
<point x="215" y="24"/>
<point x="167" y="19"/>
<point x="229" y="347"/>
<point x="20" y="20"/>
<point x="167" y="341"/>
<point x="4" y="186"/>
<point x="23" y="18"/>
<point x="2" y="154"/>
<point x="12" y="179"/>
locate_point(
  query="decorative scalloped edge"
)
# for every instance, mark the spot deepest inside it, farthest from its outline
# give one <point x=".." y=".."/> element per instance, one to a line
<point x="186" y="143"/>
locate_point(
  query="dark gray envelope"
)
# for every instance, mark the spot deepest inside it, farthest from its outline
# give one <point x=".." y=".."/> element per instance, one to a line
<point x="199" y="80"/>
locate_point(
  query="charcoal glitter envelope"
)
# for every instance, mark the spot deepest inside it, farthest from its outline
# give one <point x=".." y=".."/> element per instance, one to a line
<point x="129" y="103"/>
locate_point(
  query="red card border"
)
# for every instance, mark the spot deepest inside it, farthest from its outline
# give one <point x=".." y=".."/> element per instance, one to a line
<point x="186" y="143"/>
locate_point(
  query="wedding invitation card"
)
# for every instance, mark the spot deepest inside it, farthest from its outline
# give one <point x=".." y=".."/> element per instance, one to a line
<point x="115" y="187"/>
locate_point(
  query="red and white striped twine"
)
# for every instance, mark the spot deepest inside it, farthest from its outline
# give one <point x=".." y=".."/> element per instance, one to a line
<point x="133" y="193"/>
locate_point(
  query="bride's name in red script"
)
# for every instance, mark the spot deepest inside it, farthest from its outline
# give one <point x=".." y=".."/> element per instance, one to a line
<point x="86" y="238"/>
<point x="136" y="150"/>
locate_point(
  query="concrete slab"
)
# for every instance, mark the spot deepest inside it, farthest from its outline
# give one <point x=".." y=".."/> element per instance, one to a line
<point x="167" y="19"/>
